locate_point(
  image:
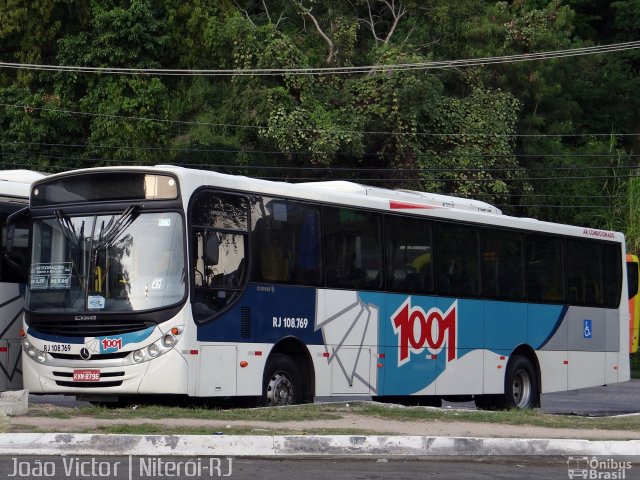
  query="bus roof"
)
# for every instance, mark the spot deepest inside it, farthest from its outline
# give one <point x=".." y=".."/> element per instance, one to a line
<point x="16" y="183"/>
<point x="411" y="196"/>
<point x="349" y="193"/>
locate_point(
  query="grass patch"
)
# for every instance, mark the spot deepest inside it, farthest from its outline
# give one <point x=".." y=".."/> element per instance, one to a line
<point x="21" y="428"/>
<point x="159" y="412"/>
<point x="510" y="417"/>
<point x="300" y="413"/>
<point x="4" y="422"/>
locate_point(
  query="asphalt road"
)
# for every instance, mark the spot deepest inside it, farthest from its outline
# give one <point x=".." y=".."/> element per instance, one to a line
<point x="616" y="399"/>
<point x="147" y="468"/>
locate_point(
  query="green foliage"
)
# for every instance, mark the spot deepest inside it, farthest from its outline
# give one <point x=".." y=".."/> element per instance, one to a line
<point x="125" y="112"/>
<point x="467" y="162"/>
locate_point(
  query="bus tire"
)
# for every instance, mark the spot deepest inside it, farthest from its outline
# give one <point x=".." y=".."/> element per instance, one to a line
<point x="520" y="388"/>
<point x="520" y="384"/>
<point x="282" y="382"/>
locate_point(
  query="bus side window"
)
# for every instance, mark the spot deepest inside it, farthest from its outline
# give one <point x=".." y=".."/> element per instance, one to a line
<point x="409" y="254"/>
<point x="198" y="245"/>
<point x="274" y="254"/>
<point x="545" y="269"/>
<point x="458" y="259"/>
<point x="612" y="275"/>
<point x="353" y="248"/>
<point x="503" y="264"/>
<point x="285" y="242"/>
<point x="584" y="264"/>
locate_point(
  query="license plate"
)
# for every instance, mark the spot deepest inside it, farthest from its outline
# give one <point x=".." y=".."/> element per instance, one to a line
<point x="86" y="375"/>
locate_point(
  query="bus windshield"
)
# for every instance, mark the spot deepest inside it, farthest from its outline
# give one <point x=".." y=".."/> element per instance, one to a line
<point x="107" y="263"/>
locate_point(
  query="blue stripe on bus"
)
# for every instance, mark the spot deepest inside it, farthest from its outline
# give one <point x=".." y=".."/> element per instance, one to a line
<point x="127" y="338"/>
<point x="480" y="324"/>
<point x="266" y="313"/>
<point x="55" y="338"/>
<point x="561" y="317"/>
<point x="133" y="337"/>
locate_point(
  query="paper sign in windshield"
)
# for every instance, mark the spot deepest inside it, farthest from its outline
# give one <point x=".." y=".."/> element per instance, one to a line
<point x="50" y="275"/>
<point x="96" y="302"/>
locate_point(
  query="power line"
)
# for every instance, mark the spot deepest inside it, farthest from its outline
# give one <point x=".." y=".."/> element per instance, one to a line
<point x="319" y="130"/>
<point x="361" y="179"/>
<point x="171" y="148"/>
<point x="333" y="170"/>
<point x="421" y="66"/>
<point x="379" y="180"/>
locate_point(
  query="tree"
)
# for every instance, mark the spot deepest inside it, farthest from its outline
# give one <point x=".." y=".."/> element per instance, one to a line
<point x="125" y="112"/>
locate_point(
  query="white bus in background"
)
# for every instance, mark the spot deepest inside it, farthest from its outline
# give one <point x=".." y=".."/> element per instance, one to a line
<point x="14" y="195"/>
<point x="165" y="280"/>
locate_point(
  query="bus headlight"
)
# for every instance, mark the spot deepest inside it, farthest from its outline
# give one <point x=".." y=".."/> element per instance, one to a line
<point x="168" y="340"/>
<point x="158" y="348"/>
<point x="138" y="356"/>
<point x="33" y="352"/>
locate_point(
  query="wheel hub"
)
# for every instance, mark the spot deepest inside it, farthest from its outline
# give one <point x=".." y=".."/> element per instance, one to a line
<point x="521" y="389"/>
<point x="280" y="390"/>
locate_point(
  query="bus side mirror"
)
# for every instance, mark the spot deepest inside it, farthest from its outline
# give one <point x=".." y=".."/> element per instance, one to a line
<point x="16" y="244"/>
<point x="212" y="253"/>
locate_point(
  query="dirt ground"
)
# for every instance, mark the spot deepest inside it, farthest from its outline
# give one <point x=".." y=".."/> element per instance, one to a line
<point x="367" y="425"/>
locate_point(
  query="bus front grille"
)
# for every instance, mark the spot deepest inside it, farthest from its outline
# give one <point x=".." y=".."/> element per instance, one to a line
<point x="97" y="356"/>
<point x="109" y="383"/>
<point x="88" y="384"/>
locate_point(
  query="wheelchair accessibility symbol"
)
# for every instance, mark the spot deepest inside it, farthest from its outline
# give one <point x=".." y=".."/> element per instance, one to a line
<point x="588" y="330"/>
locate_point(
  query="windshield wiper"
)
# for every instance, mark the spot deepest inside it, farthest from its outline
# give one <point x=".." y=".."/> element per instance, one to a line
<point x="68" y="229"/>
<point x="115" y="229"/>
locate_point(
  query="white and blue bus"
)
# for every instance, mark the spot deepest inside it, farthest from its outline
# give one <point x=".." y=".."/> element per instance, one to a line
<point x="165" y="280"/>
<point x="14" y="196"/>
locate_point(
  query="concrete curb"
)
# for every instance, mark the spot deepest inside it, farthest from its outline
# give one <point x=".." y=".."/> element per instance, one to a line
<point x="301" y="445"/>
<point x="14" y="403"/>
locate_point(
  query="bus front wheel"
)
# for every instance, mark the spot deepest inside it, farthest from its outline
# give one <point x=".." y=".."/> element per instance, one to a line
<point x="282" y="382"/>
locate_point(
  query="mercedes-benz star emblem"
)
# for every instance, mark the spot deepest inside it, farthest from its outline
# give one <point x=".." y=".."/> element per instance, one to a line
<point x="85" y="354"/>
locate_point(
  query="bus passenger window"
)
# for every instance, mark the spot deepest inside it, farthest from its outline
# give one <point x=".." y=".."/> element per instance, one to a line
<point x="409" y="254"/>
<point x="458" y="260"/>
<point x="545" y="269"/>
<point x="584" y="264"/>
<point x="503" y="264"/>
<point x="353" y="252"/>
<point x="286" y="242"/>
<point x="612" y="275"/>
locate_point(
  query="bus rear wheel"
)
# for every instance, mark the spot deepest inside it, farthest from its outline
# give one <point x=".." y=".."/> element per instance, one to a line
<point x="520" y="384"/>
<point x="520" y="388"/>
<point x="282" y="382"/>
